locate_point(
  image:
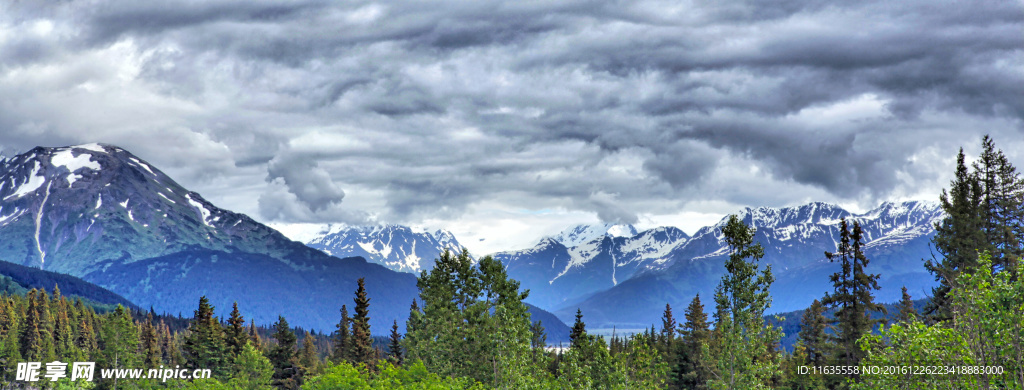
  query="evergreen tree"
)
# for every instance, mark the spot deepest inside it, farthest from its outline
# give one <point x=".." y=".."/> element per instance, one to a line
<point x="740" y="357"/>
<point x="120" y="342"/>
<point x="538" y="339"/>
<point x="31" y="337"/>
<point x="691" y="371"/>
<point x="236" y="337"/>
<point x="342" y="340"/>
<point x="85" y="336"/>
<point x="907" y="312"/>
<point x="309" y="358"/>
<point x="204" y="346"/>
<point x="578" y="331"/>
<point x="667" y="337"/>
<point x="852" y="298"/>
<point x="812" y="336"/>
<point x="10" y="345"/>
<point x="253" y="371"/>
<point x="63" y="333"/>
<point x="152" y="353"/>
<point x="1002" y="195"/>
<point x="984" y="213"/>
<point x="395" y="345"/>
<point x="473" y="324"/>
<point x="362" y="342"/>
<point x="283" y="357"/>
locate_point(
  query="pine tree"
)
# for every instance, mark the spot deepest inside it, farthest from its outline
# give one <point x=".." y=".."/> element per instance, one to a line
<point x="204" y="347"/>
<point x="309" y="358"/>
<point x="283" y="357"/>
<point x="579" y="330"/>
<point x="362" y="342"/>
<point x="691" y="370"/>
<point x="812" y="334"/>
<point x="907" y="312"/>
<point x="153" y="355"/>
<point x="741" y="357"/>
<point x="63" y="333"/>
<point x="254" y="336"/>
<point x="474" y="324"/>
<point x="253" y="371"/>
<point x="10" y="347"/>
<point x="120" y="341"/>
<point x="395" y="345"/>
<point x="852" y="298"/>
<point x="667" y="337"/>
<point x="1002" y="205"/>
<point x="236" y="336"/>
<point x="31" y="337"/>
<point x="538" y="339"/>
<point x="342" y="339"/>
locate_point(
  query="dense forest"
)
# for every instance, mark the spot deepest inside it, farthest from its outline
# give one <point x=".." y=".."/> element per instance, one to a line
<point x="470" y="329"/>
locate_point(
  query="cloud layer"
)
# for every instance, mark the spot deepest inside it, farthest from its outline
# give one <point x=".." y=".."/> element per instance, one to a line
<point x="438" y="111"/>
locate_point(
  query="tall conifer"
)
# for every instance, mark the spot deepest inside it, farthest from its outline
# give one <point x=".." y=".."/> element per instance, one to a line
<point x="362" y="342"/>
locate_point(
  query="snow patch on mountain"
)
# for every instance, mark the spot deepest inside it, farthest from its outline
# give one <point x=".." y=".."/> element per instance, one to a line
<point x="30" y="185"/>
<point x="581" y="234"/>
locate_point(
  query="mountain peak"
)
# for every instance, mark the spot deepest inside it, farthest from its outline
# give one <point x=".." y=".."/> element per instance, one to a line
<point x="398" y="247"/>
<point x="581" y="234"/>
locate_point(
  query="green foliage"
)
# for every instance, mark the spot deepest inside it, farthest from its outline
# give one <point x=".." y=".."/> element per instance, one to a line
<point x="412" y="376"/>
<point x="987" y="330"/>
<point x="691" y="371"/>
<point x="473" y="324"/>
<point x="984" y="213"/>
<point x="204" y="346"/>
<point x="852" y="297"/>
<point x="283" y="357"/>
<point x="362" y="342"/>
<point x="342" y="339"/>
<point x="741" y="352"/>
<point x="236" y="337"/>
<point x="253" y="371"/>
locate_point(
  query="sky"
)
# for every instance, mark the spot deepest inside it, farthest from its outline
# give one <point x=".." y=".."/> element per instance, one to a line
<point x="507" y="121"/>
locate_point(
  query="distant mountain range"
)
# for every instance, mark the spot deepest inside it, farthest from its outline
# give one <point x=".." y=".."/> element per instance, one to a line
<point x="99" y="213"/>
<point x="897" y="238"/>
<point x="396" y="247"/>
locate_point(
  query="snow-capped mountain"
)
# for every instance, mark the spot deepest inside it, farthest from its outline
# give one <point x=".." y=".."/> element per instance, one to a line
<point x="585" y="259"/>
<point x="394" y="246"/>
<point x="102" y="214"/>
<point x="99" y="213"/>
<point x="794" y="239"/>
<point x="581" y="234"/>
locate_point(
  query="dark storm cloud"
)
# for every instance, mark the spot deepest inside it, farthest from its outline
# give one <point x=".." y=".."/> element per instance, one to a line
<point x="614" y="108"/>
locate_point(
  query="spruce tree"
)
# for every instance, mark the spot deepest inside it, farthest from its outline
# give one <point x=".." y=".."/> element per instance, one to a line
<point x="538" y="339"/>
<point x="150" y="343"/>
<point x="395" y="345"/>
<point x="907" y="312"/>
<point x="120" y="342"/>
<point x="741" y="355"/>
<point x="812" y="334"/>
<point x="236" y="336"/>
<point x="204" y="346"/>
<point x="578" y="331"/>
<point x="667" y="338"/>
<point x="362" y="342"/>
<point x="31" y="337"/>
<point x="309" y="359"/>
<point x="853" y="297"/>
<point x="691" y="370"/>
<point x="342" y="339"/>
<point x="283" y="357"/>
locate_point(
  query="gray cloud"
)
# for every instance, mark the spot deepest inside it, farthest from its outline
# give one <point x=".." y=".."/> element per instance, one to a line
<point x="405" y="111"/>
